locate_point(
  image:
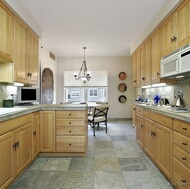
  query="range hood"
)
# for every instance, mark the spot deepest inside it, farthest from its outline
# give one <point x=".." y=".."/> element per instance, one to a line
<point x="176" y="65"/>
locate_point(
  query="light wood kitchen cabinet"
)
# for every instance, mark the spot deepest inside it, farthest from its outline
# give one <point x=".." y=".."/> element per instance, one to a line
<point x="183" y="23"/>
<point x="32" y="59"/>
<point x="6" y="34"/>
<point x="71" y="131"/>
<point x="22" y="149"/>
<point x="142" y="70"/>
<point x="134" y="116"/>
<point x="169" y="35"/>
<point x="164" y="149"/>
<point x="20" y="51"/>
<point x="36" y="134"/>
<point x="136" y="68"/>
<point x="25" y="54"/>
<point x="47" y="131"/>
<point x="7" y="160"/>
<point x="155" y="57"/>
<point x="15" y="148"/>
<point x="148" y="62"/>
<point x="150" y="138"/>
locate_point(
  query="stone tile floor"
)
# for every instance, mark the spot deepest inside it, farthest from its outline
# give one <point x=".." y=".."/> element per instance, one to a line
<point x="114" y="161"/>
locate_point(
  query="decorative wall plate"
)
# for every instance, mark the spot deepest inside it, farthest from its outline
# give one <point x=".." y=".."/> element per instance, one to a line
<point x="122" y="99"/>
<point x="122" y="76"/>
<point x="122" y="87"/>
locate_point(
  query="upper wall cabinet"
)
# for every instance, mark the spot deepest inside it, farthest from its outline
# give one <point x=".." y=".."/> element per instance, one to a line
<point x="20" y="41"/>
<point x="183" y="23"/>
<point x="6" y="34"/>
<point x="176" y="29"/>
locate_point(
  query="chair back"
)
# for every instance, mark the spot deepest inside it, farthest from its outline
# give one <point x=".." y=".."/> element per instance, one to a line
<point x="100" y="111"/>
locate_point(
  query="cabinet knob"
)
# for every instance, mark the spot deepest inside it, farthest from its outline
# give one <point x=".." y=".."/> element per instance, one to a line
<point x="134" y="81"/>
<point x="34" y="133"/>
<point x="183" y="181"/>
<point x="142" y="125"/>
<point x="184" y="158"/>
<point x="143" y="78"/>
<point x="69" y="131"/>
<point x="70" y="144"/>
<point x="69" y="122"/>
<point x="69" y="114"/>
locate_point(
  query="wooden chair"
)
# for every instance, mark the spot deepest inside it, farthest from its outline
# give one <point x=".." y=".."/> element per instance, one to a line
<point x="99" y="115"/>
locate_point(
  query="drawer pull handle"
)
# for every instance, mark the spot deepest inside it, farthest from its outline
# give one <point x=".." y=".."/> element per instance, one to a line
<point x="184" y="128"/>
<point x="184" y="158"/>
<point x="183" y="181"/>
<point x="34" y="133"/>
<point x="184" y="143"/>
<point x="69" y="131"/>
<point x="69" y="114"/>
<point x="69" y="122"/>
<point x="70" y="144"/>
<point x="142" y="125"/>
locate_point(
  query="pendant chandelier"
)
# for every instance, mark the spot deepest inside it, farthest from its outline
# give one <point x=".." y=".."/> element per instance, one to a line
<point x="84" y="75"/>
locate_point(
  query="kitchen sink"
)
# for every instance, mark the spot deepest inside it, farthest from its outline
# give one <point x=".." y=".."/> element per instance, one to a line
<point x="4" y="111"/>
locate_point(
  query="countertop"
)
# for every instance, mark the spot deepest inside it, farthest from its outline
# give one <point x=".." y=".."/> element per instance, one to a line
<point x="23" y="110"/>
<point x="184" y="116"/>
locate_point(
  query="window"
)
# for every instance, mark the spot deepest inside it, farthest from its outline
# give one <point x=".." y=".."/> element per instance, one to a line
<point x="76" y="94"/>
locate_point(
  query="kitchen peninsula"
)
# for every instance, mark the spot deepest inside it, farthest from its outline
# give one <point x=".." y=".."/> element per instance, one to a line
<point x="56" y="130"/>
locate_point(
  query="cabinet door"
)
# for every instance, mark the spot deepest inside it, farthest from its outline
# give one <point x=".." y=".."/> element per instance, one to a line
<point x="6" y="163"/>
<point x="47" y="131"/>
<point x="134" y="62"/>
<point x="148" y="62"/>
<point x="140" y="130"/>
<point x="20" y="66"/>
<point x="169" y="36"/>
<point x="6" y="34"/>
<point x="155" y="46"/>
<point x="142" y="66"/>
<point x="183" y="23"/>
<point x="36" y="135"/>
<point x="23" y="143"/>
<point x="32" y="56"/>
<point x="164" y="149"/>
<point x="150" y="138"/>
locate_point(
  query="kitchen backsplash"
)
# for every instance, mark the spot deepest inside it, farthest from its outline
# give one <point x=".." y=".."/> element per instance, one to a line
<point x="6" y="91"/>
<point x="169" y="91"/>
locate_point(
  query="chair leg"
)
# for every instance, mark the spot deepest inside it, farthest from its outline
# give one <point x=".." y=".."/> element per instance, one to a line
<point x="106" y="127"/>
<point x="94" y="129"/>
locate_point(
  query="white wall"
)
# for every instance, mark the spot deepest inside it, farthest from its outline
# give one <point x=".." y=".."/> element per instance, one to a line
<point x="115" y="66"/>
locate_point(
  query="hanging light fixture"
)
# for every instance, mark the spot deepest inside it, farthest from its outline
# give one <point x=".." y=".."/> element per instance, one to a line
<point x="84" y="75"/>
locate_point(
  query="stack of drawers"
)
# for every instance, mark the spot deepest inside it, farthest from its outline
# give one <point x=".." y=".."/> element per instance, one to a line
<point x="181" y="154"/>
<point x="71" y="131"/>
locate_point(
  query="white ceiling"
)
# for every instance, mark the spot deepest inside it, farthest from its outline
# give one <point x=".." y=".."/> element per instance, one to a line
<point x="106" y="27"/>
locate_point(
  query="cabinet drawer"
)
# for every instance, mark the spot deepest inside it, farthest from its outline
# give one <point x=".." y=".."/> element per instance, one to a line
<point x="71" y="114"/>
<point x="139" y="110"/>
<point x="69" y="122"/>
<point x="70" y="144"/>
<point x="182" y="127"/>
<point x="182" y="141"/>
<point x="181" y="175"/>
<point x="182" y="156"/>
<point x="70" y="130"/>
<point x="159" y="118"/>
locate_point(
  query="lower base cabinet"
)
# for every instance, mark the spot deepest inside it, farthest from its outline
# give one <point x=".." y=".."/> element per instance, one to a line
<point x="15" y="148"/>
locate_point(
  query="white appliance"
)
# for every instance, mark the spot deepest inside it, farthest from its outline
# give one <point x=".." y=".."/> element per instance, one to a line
<point x="176" y="65"/>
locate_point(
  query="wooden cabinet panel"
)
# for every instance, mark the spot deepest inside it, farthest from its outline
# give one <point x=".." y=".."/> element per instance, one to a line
<point x="139" y="110"/>
<point x="47" y="131"/>
<point x="182" y="127"/>
<point x="134" y="65"/>
<point x="150" y="138"/>
<point x="70" y="143"/>
<point x="182" y="156"/>
<point x="140" y="130"/>
<point x="164" y="150"/>
<point x="6" y="34"/>
<point x="20" y="51"/>
<point x="70" y="130"/>
<point x="36" y="135"/>
<point x="182" y="141"/>
<point x="70" y="122"/>
<point x="181" y="175"/>
<point x="183" y="23"/>
<point x="6" y="163"/>
<point x="155" y="57"/>
<point x="23" y="143"/>
<point x="142" y="66"/>
<point x="71" y="114"/>
<point x="164" y="120"/>
<point x="148" y="62"/>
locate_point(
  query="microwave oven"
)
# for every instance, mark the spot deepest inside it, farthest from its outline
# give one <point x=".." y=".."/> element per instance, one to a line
<point x="177" y="64"/>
